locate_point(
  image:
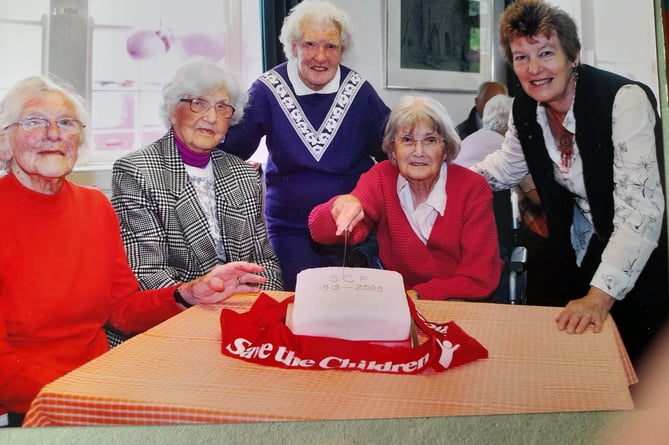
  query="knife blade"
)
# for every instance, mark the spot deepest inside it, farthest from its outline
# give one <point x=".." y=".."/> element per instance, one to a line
<point x="343" y="265"/>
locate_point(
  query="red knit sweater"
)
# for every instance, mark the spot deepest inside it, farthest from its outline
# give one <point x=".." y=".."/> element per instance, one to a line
<point x="461" y="258"/>
<point x="63" y="275"/>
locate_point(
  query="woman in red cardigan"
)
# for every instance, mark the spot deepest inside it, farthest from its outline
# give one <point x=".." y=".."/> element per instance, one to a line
<point x="433" y="219"/>
<point x="63" y="269"/>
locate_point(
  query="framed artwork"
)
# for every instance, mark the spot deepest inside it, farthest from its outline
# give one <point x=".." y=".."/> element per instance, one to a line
<point x="439" y="44"/>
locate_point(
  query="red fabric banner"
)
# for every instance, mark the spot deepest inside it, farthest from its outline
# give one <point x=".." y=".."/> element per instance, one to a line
<point x="261" y="336"/>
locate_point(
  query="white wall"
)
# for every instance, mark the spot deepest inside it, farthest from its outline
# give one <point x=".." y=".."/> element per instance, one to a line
<point x="617" y="35"/>
<point x="368" y="56"/>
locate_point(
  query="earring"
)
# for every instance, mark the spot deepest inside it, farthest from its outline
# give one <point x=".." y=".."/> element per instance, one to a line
<point x="574" y="70"/>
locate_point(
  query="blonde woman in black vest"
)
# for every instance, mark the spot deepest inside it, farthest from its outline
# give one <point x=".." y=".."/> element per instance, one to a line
<point x="591" y="140"/>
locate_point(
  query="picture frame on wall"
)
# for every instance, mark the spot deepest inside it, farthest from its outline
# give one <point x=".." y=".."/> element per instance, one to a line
<point x="439" y="44"/>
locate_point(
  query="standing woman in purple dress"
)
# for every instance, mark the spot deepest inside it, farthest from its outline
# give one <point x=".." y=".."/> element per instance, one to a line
<point x="323" y="125"/>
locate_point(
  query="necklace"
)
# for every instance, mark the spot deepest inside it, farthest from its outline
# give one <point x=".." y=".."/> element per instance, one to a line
<point x="565" y="140"/>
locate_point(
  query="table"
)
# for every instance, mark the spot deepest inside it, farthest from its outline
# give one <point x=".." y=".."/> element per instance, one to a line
<point x="175" y="373"/>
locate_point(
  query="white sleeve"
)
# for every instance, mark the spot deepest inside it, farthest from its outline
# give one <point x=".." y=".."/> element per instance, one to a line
<point x="506" y="167"/>
<point x="637" y="194"/>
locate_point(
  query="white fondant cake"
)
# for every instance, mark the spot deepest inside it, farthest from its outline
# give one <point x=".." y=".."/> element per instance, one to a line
<point x="351" y="303"/>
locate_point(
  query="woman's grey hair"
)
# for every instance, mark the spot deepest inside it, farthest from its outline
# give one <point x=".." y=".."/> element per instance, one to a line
<point x="496" y="113"/>
<point x="197" y="77"/>
<point x="314" y="12"/>
<point x="413" y="110"/>
<point x="12" y="105"/>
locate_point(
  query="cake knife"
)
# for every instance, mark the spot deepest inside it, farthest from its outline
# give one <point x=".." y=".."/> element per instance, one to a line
<point x="343" y="265"/>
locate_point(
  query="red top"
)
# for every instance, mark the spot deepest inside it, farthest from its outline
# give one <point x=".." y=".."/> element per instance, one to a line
<point x="461" y="258"/>
<point x="63" y="275"/>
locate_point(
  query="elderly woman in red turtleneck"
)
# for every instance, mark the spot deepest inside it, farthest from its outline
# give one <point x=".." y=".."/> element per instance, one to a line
<point x="63" y="269"/>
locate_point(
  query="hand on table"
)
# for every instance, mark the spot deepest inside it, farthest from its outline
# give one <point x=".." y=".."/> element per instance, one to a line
<point x="591" y="309"/>
<point x="223" y="281"/>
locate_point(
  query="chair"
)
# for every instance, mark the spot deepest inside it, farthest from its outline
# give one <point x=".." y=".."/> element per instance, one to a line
<point x="517" y="266"/>
<point x="513" y="282"/>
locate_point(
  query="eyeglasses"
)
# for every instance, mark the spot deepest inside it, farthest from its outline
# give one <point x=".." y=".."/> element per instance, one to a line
<point x="426" y="142"/>
<point x="312" y="47"/>
<point x="65" y="125"/>
<point x="200" y="105"/>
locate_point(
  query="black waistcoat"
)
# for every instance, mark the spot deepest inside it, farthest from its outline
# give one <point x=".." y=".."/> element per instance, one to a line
<point x="595" y="93"/>
<point x="643" y="312"/>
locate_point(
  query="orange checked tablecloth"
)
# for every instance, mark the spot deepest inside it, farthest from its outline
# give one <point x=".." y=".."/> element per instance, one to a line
<point x="175" y="373"/>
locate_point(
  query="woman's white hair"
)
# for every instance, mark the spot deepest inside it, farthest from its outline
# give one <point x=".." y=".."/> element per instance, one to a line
<point x="413" y="110"/>
<point x="196" y="77"/>
<point x="496" y="113"/>
<point x="14" y="101"/>
<point x="314" y="12"/>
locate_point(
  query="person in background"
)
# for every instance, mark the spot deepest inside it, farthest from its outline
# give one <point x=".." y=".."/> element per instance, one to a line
<point x="490" y="136"/>
<point x="476" y="147"/>
<point x="184" y="206"/>
<point x="433" y="219"/>
<point x="63" y="269"/>
<point x="323" y="126"/>
<point x="474" y="119"/>
<point x="591" y="140"/>
<point x="532" y="232"/>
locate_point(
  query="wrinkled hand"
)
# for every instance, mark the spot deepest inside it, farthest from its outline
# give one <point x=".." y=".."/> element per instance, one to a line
<point x="223" y="281"/>
<point x="347" y="212"/>
<point x="589" y="310"/>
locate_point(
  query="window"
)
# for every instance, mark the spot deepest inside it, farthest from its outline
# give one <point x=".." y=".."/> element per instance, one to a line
<point x="118" y="54"/>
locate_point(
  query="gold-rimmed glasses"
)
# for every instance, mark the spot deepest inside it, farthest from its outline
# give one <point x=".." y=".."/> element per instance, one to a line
<point x="200" y="105"/>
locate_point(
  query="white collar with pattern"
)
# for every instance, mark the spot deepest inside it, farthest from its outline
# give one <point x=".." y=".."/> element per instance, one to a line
<point x="316" y="141"/>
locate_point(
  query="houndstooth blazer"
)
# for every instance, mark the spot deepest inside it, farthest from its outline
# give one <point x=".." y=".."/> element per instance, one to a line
<point x="164" y="228"/>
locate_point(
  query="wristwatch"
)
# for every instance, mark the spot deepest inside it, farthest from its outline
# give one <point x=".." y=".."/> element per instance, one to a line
<point x="179" y="299"/>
